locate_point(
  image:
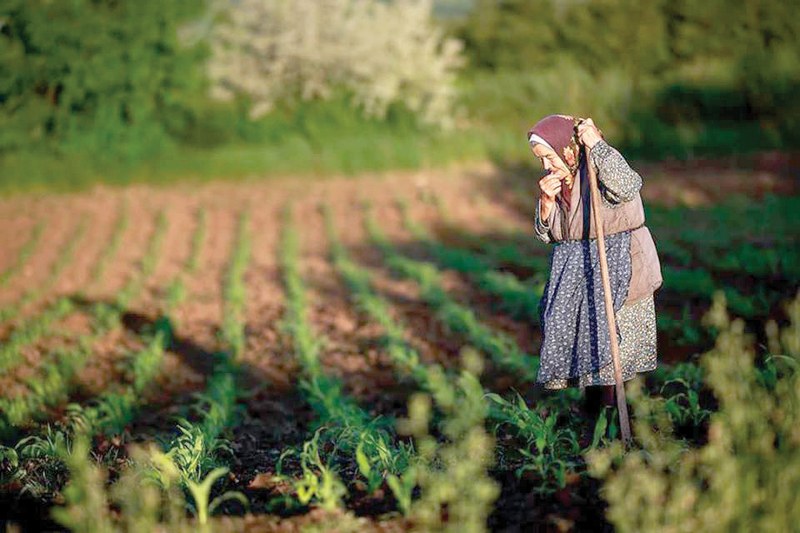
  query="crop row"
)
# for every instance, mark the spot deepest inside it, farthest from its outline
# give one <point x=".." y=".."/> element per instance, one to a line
<point x="31" y="331"/>
<point x="343" y="421"/>
<point x="520" y="299"/>
<point x="51" y="385"/>
<point x="113" y="411"/>
<point x="462" y="455"/>
<point x="196" y="449"/>
<point x="694" y="284"/>
<point x="189" y="456"/>
<point x="680" y="384"/>
<point x="505" y="353"/>
<point x="65" y="256"/>
<point x="176" y="290"/>
<point x="707" y="250"/>
<point x="23" y="255"/>
<point x="115" y="241"/>
<point x="39" y="326"/>
<point x="540" y="444"/>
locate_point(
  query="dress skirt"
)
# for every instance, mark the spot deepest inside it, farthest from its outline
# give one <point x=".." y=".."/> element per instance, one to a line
<point x="576" y="347"/>
<point x="637" y="348"/>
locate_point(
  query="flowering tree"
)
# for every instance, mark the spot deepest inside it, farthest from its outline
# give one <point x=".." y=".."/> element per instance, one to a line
<point x="383" y="52"/>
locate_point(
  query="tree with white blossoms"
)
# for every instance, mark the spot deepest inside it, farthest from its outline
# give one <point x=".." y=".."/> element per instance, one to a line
<point x="382" y="52"/>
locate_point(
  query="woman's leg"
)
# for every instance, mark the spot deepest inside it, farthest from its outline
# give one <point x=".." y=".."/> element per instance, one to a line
<point x="609" y="395"/>
<point x="594" y="401"/>
<point x="596" y="397"/>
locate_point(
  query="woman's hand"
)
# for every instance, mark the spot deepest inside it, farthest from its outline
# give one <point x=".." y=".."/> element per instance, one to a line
<point x="588" y="133"/>
<point x="550" y="185"/>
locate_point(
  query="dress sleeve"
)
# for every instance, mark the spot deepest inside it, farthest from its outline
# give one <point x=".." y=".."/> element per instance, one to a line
<point x="618" y="182"/>
<point x="542" y="227"/>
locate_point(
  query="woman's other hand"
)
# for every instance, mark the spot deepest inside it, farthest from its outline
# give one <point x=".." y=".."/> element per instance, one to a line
<point x="588" y="133"/>
<point x="550" y="185"/>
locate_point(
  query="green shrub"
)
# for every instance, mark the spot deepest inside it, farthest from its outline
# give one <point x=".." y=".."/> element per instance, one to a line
<point x="452" y="475"/>
<point x="747" y="476"/>
<point x="93" y="77"/>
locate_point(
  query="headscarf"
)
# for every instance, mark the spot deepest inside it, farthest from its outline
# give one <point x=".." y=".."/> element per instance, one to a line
<point x="558" y="133"/>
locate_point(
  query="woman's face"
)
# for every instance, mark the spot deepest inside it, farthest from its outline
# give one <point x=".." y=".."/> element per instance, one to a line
<point x="550" y="161"/>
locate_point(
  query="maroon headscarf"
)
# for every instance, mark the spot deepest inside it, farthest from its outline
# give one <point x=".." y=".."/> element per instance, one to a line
<point x="559" y="131"/>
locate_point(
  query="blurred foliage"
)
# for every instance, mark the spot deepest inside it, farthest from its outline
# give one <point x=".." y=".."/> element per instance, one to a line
<point x="382" y="52"/>
<point x="746" y="477"/>
<point x="94" y="76"/>
<point x="456" y="491"/>
<point x="119" y="90"/>
<point x="662" y="78"/>
<point x="146" y="496"/>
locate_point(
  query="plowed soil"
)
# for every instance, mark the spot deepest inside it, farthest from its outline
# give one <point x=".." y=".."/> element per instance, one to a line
<point x="480" y="201"/>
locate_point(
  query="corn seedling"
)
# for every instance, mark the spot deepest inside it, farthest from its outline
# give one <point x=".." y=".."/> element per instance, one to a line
<point x="195" y="451"/>
<point x="320" y="482"/>
<point x="548" y="449"/>
<point x="201" y="495"/>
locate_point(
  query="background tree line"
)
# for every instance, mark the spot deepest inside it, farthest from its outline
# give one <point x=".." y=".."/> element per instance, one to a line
<point x="674" y="77"/>
<point x="124" y="89"/>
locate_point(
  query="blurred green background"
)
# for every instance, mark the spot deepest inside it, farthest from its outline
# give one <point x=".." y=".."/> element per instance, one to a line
<point x="119" y="90"/>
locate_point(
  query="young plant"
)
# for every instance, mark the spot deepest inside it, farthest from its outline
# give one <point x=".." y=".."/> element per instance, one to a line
<point x="548" y="449"/>
<point x="347" y="425"/>
<point x="456" y="491"/>
<point x="320" y="483"/>
<point x="201" y="495"/>
<point x="751" y="450"/>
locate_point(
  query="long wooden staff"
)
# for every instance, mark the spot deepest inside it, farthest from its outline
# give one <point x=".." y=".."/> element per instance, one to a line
<point x="622" y="405"/>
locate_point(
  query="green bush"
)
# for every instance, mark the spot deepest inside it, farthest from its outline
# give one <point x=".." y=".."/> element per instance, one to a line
<point x="687" y="78"/>
<point x="747" y="476"/>
<point x="456" y="491"/>
<point x="93" y="76"/>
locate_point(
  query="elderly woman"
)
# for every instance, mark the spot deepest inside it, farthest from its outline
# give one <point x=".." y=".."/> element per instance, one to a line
<point x="576" y="347"/>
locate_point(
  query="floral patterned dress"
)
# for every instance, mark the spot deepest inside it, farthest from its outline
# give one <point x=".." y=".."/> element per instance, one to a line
<point x="576" y="346"/>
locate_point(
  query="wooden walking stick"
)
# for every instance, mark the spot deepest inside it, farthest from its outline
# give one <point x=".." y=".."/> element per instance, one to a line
<point x="622" y="405"/>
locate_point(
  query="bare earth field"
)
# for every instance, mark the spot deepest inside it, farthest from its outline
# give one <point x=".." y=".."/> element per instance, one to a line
<point x="171" y="248"/>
